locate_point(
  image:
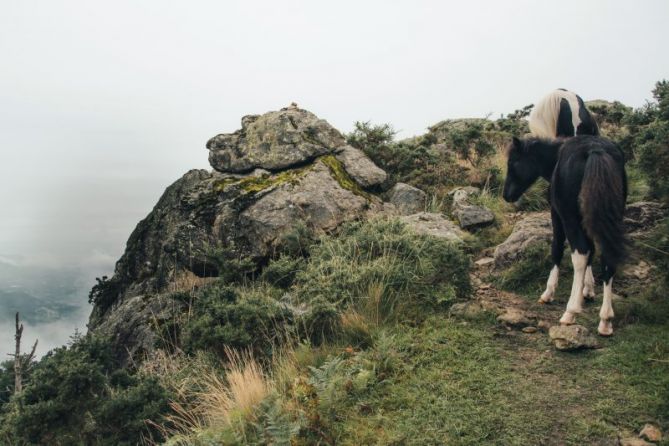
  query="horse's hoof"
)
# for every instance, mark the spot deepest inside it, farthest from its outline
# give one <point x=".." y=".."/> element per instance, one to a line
<point x="568" y="318"/>
<point x="545" y="300"/>
<point x="605" y="328"/>
<point x="589" y="294"/>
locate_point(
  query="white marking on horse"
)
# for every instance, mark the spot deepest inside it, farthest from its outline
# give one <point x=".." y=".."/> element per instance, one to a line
<point x="589" y="284"/>
<point x="575" y="304"/>
<point x="606" y="312"/>
<point x="551" y="285"/>
<point x="573" y="104"/>
<point x="544" y="116"/>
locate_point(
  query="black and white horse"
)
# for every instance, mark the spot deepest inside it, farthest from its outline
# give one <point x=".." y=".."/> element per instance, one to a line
<point x="561" y="113"/>
<point x="588" y="191"/>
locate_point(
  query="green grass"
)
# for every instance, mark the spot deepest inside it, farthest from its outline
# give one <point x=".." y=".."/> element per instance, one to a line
<point x="466" y="384"/>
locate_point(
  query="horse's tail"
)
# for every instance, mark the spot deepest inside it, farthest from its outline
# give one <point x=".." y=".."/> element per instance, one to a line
<point x="602" y="204"/>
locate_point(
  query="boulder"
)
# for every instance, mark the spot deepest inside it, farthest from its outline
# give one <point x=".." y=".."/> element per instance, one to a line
<point x="472" y="216"/>
<point x="572" y="337"/>
<point x="433" y="224"/>
<point x="360" y="167"/>
<point x="535" y="228"/>
<point x="274" y="141"/>
<point x="407" y="199"/>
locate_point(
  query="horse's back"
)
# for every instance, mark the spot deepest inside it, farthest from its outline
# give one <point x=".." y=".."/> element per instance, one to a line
<point x="561" y="113"/>
<point x="570" y="170"/>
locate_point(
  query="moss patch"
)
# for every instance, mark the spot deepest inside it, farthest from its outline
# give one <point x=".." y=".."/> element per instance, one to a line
<point x="342" y="177"/>
<point x="257" y="184"/>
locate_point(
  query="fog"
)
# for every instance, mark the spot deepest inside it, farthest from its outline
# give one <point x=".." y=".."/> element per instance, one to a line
<point x="102" y="105"/>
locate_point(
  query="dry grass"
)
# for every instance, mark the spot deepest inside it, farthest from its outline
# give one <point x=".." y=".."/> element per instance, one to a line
<point x="207" y="400"/>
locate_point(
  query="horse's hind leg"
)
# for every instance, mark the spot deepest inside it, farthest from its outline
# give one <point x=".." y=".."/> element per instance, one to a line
<point x="606" y="312"/>
<point x="589" y="281"/>
<point x="557" y="250"/>
<point x="580" y="246"/>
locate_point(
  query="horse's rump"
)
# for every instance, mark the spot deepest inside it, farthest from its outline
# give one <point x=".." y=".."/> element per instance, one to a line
<point x="561" y="113"/>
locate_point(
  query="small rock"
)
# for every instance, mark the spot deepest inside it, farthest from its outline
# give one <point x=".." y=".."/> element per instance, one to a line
<point x="513" y="317"/>
<point x="467" y="310"/>
<point x="534" y="228"/>
<point x="407" y="199"/>
<point x="572" y="337"/>
<point x="471" y="216"/>
<point x="485" y="261"/>
<point x="360" y="167"/>
<point x="544" y="325"/>
<point x="433" y="224"/>
<point x="530" y="329"/>
<point x="651" y="432"/>
<point x="461" y="195"/>
<point x="633" y="441"/>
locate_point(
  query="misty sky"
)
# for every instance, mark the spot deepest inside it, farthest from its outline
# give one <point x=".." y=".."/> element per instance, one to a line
<point x="103" y="104"/>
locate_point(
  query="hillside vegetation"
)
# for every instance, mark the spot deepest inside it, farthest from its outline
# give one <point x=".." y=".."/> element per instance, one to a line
<point x="365" y="330"/>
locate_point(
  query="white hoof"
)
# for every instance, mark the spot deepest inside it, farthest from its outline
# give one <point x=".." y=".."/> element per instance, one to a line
<point x="605" y="328"/>
<point x="545" y="298"/>
<point x="588" y="293"/>
<point x="568" y="318"/>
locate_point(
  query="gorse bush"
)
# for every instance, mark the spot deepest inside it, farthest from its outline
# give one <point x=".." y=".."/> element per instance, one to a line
<point x="227" y="317"/>
<point x="384" y="261"/>
<point x="77" y="395"/>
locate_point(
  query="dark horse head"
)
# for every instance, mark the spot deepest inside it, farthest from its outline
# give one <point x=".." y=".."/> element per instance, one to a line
<point x="527" y="161"/>
<point x="521" y="170"/>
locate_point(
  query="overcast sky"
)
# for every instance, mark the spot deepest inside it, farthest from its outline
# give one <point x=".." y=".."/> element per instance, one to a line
<point x="103" y="104"/>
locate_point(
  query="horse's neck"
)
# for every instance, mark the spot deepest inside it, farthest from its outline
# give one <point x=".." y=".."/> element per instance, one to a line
<point x="548" y="156"/>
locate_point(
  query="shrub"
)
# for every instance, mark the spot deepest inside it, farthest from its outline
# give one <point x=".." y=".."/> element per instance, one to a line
<point x="226" y="317"/>
<point x="322" y="322"/>
<point x="384" y="261"/>
<point x="71" y="398"/>
<point x="282" y="271"/>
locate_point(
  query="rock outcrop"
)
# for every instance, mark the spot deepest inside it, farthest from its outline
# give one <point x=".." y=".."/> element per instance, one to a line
<point x="281" y="170"/>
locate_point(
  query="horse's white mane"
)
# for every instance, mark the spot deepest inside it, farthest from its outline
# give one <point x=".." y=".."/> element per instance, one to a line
<point x="544" y="116"/>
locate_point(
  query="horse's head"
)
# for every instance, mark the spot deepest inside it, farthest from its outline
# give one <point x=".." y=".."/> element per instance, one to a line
<point x="522" y="170"/>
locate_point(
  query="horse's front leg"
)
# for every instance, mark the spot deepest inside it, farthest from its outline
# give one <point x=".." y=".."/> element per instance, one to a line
<point x="557" y="251"/>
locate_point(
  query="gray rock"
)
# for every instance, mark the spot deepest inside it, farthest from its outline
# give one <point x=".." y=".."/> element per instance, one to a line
<point x="572" y="337"/>
<point x="130" y="325"/>
<point x="407" y="199"/>
<point x="514" y="317"/>
<point x="317" y="200"/>
<point x="360" y="167"/>
<point x="433" y="224"/>
<point x="533" y="229"/>
<point x="274" y="141"/>
<point x="462" y="195"/>
<point x="471" y="216"/>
